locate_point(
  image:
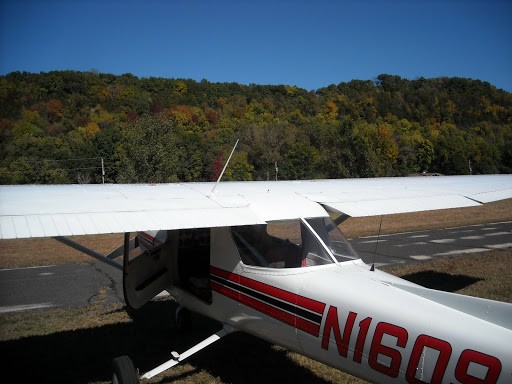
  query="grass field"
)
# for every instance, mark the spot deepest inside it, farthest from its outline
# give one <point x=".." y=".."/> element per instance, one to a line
<point x="77" y="345"/>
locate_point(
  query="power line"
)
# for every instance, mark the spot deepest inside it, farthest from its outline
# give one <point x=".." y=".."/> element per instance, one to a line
<point x="47" y="165"/>
<point x="61" y="169"/>
<point x="60" y="160"/>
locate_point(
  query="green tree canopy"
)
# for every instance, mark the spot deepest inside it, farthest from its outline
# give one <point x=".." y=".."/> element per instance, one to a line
<point x="56" y="127"/>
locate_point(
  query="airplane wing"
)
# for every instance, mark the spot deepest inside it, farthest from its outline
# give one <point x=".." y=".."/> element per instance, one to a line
<point x="64" y="210"/>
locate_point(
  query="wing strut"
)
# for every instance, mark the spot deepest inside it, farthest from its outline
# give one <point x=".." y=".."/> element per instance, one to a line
<point x="177" y="358"/>
<point x="90" y="252"/>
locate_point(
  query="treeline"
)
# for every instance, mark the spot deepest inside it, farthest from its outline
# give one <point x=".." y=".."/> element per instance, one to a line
<point x="58" y="127"/>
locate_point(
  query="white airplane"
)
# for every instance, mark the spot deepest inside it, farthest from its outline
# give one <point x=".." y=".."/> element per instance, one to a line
<point x="267" y="258"/>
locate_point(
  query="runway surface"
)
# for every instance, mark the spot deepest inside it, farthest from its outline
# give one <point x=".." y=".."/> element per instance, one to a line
<point x="426" y="245"/>
<point x="78" y="285"/>
<point x="67" y="285"/>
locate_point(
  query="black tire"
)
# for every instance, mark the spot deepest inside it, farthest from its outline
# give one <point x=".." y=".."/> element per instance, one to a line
<point x="123" y="371"/>
<point x="183" y="319"/>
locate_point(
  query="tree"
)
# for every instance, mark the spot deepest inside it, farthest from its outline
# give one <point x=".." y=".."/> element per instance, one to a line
<point x="380" y="151"/>
<point x="106" y="144"/>
<point x="216" y="167"/>
<point x="450" y="152"/>
<point x="239" y="168"/>
<point x="299" y="162"/>
<point x="149" y="153"/>
<point x="265" y="142"/>
<point x="389" y="126"/>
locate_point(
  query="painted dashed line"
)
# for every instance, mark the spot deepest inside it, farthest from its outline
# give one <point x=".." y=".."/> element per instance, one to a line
<point x="23" y="268"/>
<point x="421" y="257"/>
<point x="373" y="241"/>
<point x="459" y="251"/>
<point x="442" y="241"/>
<point x="498" y="234"/>
<point x="500" y="246"/>
<point x="26" y="307"/>
<point x="409" y="244"/>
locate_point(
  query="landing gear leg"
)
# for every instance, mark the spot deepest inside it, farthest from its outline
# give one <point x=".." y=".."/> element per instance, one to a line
<point x="123" y="371"/>
<point x="183" y="320"/>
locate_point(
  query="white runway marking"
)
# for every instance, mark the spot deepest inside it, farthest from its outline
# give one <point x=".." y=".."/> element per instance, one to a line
<point x="21" y="269"/>
<point x="500" y="246"/>
<point x="458" y="251"/>
<point x="26" y="307"/>
<point x="442" y="241"/>
<point x="472" y="237"/>
<point x="373" y="241"/>
<point x="463" y="231"/>
<point x="418" y="236"/>
<point x="421" y="257"/>
<point x="408" y="245"/>
<point x="497" y="234"/>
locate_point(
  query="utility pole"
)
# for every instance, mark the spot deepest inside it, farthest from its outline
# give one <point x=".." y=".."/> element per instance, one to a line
<point x="102" y="171"/>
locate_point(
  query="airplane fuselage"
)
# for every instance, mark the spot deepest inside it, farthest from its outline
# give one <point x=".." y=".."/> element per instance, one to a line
<point x="367" y="323"/>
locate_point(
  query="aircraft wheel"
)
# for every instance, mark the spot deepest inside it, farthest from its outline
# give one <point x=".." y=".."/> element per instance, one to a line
<point x="123" y="371"/>
<point x="182" y="318"/>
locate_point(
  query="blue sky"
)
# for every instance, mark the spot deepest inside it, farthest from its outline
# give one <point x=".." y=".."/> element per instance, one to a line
<point x="310" y="44"/>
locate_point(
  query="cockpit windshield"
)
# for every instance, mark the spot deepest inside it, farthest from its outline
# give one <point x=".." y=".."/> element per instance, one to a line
<point x="333" y="238"/>
<point x="291" y="243"/>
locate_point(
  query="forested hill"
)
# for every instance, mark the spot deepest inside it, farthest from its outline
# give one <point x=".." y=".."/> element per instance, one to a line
<point x="57" y="127"/>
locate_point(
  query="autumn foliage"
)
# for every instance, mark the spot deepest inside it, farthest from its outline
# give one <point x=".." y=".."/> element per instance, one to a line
<point x="56" y="127"/>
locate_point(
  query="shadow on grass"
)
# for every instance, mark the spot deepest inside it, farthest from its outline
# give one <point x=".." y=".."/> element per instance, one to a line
<point x="85" y="355"/>
<point x="440" y="280"/>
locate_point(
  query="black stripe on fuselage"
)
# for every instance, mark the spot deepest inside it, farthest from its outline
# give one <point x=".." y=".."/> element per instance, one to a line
<point x="288" y="307"/>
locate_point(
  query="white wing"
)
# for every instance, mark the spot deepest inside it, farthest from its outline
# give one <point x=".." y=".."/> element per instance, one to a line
<point x="63" y="210"/>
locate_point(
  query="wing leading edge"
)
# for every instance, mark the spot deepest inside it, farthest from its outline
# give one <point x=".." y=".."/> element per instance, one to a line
<point x="65" y="210"/>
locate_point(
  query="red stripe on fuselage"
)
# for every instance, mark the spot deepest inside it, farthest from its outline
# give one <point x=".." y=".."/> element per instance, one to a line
<point x="276" y="313"/>
<point x="281" y="294"/>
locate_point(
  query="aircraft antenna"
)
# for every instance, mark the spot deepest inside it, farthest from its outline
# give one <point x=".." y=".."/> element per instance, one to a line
<point x="225" y="166"/>
<point x="376" y="245"/>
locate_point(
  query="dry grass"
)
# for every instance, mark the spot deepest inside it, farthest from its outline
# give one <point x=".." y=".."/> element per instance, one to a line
<point x="48" y="251"/>
<point x="19" y="325"/>
<point x="486" y="274"/>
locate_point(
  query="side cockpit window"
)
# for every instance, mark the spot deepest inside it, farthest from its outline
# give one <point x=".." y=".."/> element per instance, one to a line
<point x="280" y="244"/>
<point x="274" y="245"/>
